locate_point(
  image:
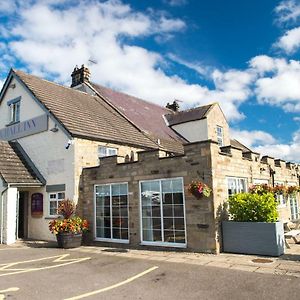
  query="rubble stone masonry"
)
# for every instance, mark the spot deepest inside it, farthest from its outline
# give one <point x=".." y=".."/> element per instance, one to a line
<point x="204" y="161"/>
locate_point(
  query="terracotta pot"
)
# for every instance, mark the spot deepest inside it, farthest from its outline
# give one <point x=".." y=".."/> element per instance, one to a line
<point x="68" y="240"/>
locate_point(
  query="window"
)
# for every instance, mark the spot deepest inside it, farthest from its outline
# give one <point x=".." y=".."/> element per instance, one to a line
<point x="281" y="199"/>
<point x="294" y="207"/>
<point x="220" y="137"/>
<point x="111" y="207"/>
<point x="260" y="181"/>
<point x="236" y="185"/>
<point x="105" y="151"/>
<point x="163" y="212"/>
<point x="14" y="111"/>
<point x="54" y="200"/>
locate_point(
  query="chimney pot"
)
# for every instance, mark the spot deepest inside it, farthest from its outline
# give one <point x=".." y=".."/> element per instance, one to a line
<point x="80" y="76"/>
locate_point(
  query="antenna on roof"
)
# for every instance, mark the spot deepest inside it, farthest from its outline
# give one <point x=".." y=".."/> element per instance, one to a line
<point x="92" y="61"/>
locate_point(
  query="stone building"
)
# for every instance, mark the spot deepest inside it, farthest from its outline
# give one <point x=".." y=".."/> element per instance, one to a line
<point x="128" y="161"/>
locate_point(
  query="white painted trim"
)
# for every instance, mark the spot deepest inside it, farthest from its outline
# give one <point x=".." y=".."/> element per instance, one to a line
<point x="111" y="240"/>
<point x="164" y="244"/>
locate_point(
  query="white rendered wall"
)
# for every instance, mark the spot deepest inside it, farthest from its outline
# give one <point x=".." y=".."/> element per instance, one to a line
<point x="10" y="200"/>
<point x="193" y="131"/>
<point x="2" y="188"/>
<point x="48" y="153"/>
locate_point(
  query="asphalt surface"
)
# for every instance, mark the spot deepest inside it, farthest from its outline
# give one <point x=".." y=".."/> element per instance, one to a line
<point x="38" y="273"/>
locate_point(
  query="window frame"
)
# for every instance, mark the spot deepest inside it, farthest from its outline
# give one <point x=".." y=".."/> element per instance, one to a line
<point x="107" y="151"/>
<point x="237" y="179"/>
<point x="56" y="200"/>
<point x="281" y="199"/>
<point x="14" y="111"/>
<point x="161" y="243"/>
<point x="220" y="135"/>
<point x="112" y="240"/>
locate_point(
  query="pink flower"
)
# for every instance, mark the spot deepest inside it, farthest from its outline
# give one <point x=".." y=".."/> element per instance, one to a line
<point x="200" y="188"/>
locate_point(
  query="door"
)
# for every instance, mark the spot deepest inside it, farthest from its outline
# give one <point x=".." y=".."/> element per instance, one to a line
<point x="294" y="207"/>
<point x="22" y="215"/>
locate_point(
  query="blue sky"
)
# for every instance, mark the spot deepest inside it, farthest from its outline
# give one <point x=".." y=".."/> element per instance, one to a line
<point x="243" y="54"/>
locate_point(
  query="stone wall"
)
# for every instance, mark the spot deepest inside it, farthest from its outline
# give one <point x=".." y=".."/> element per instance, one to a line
<point x="232" y="162"/>
<point x="86" y="155"/>
<point x="204" y="161"/>
<point x="195" y="164"/>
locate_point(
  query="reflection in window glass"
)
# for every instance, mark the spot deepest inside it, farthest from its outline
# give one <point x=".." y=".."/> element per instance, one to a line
<point x="163" y="211"/>
<point x="112" y="211"/>
<point x="236" y="185"/>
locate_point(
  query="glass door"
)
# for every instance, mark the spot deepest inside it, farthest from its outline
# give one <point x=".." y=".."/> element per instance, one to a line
<point x="111" y="212"/>
<point x="163" y="212"/>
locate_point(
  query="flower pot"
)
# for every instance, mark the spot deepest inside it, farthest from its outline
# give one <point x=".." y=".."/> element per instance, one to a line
<point x="68" y="240"/>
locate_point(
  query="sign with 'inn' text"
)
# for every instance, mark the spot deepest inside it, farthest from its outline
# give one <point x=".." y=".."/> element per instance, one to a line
<point x="21" y="129"/>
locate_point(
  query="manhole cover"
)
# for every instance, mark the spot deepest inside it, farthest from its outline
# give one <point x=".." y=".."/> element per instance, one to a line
<point x="262" y="260"/>
<point x="115" y="250"/>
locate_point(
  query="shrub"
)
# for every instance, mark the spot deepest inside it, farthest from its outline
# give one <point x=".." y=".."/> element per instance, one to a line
<point x="247" y="207"/>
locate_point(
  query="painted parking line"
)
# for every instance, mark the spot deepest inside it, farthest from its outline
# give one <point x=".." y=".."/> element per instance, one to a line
<point x="3" y="292"/>
<point x="58" y="261"/>
<point x="113" y="286"/>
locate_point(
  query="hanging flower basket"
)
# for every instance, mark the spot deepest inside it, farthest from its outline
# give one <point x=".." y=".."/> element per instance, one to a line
<point x="199" y="189"/>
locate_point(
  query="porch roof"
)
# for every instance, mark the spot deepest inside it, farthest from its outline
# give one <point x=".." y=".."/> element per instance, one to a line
<point x="15" y="166"/>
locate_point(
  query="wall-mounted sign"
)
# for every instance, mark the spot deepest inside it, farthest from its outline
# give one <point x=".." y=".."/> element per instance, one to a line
<point x="37" y="205"/>
<point x="25" y="128"/>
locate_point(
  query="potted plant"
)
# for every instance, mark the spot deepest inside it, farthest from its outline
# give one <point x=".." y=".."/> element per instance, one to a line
<point x="254" y="226"/>
<point x="199" y="189"/>
<point x="68" y="228"/>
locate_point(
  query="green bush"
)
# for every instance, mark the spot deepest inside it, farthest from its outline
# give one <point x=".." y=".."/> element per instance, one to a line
<point x="246" y="207"/>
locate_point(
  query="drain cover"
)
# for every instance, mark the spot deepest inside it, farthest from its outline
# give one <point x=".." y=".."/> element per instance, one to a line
<point x="262" y="260"/>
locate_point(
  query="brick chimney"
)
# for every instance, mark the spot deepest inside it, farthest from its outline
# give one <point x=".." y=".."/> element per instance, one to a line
<point x="80" y="76"/>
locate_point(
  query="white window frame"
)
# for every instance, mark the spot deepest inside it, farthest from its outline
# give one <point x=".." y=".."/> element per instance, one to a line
<point x="108" y="151"/>
<point x="220" y="135"/>
<point x="14" y="112"/>
<point x="237" y="184"/>
<point x="164" y="244"/>
<point x="293" y="199"/>
<point x="258" y="181"/>
<point x="97" y="239"/>
<point x="281" y="199"/>
<point x="56" y="200"/>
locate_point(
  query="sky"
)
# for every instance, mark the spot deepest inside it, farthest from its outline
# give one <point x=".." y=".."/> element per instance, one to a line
<point x="242" y="54"/>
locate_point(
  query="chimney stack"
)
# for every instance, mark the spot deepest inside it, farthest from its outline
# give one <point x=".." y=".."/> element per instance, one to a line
<point x="174" y="106"/>
<point x="80" y="76"/>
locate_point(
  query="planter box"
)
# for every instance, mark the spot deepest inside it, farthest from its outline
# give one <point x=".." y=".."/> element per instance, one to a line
<point x="68" y="240"/>
<point x="253" y="238"/>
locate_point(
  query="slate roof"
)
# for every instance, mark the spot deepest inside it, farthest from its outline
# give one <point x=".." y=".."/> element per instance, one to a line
<point x="239" y="145"/>
<point x="193" y="114"/>
<point x="14" y="168"/>
<point x="147" y="116"/>
<point x="84" y="115"/>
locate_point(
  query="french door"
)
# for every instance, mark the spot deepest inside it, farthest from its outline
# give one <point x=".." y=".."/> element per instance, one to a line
<point x="163" y="212"/>
<point x="111" y="212"/>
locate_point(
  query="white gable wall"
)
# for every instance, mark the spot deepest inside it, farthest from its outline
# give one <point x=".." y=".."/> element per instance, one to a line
<point x="193" y="131"/>
<point x="47" y="151"/>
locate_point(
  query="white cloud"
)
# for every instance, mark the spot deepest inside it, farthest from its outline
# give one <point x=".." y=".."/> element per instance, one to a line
<point x="297" y="119"/>
<point x="281" y="85"/>
<point x="290" y="41"/>
<point x="288" y="11"/>
<point x="265" y="144"/>
<point x="51" y="40"/>
<point x="196" y="66"/>
<point x="176" y="2"/>
<point x="288" y="152"/>
<point x="252" y="138"/>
